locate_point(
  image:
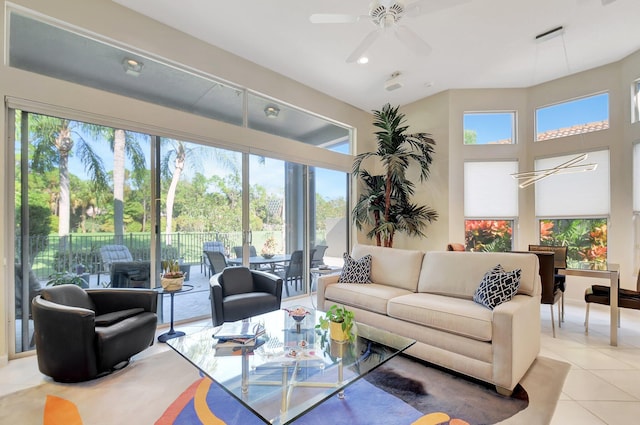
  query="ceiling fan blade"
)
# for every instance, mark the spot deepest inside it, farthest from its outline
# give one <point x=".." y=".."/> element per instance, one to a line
<point x="333" y="18"/>
<point x="364" y="45"/>
<point x="421" y="7"/>
<point x="412" y="41"/>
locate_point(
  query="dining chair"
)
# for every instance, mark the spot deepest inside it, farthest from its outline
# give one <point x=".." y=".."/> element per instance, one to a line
<point x="560" y="262"/>
<point x="601" y="294"/>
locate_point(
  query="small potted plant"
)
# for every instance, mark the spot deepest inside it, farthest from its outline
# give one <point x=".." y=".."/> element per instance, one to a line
<point x="269" y="248"/>
<point x="339" y="321"/>
<point x="172" y="278"/>
<point x="63" y="278"/>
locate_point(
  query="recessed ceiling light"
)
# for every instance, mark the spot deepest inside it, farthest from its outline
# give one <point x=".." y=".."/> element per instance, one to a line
<point x="271" y="111"/>
<point x="362" y="60"/>
<point x="132" y="66"/>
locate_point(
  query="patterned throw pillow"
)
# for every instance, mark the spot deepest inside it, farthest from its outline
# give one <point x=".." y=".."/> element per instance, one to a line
<point x="497" y="286"/>
<point x="355" y="271"/>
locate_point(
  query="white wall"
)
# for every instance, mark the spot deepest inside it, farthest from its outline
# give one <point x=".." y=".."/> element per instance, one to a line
<point x="447" y="172"/>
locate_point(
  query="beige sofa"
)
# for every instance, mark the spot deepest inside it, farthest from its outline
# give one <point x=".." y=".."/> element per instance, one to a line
<point x="429" y="297"/>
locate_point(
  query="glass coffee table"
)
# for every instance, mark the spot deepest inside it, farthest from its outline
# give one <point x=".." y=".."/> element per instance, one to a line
<point x="293" y="368"/>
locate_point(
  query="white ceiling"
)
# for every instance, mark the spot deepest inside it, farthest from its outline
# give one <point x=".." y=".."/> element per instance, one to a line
<point x="476" y="44"/>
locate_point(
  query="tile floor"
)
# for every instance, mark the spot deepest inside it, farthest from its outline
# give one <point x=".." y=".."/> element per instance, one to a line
<point x="602" y="387"/>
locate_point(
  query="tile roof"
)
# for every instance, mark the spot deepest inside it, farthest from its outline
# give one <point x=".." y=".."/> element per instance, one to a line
<point x="573" y="130"/>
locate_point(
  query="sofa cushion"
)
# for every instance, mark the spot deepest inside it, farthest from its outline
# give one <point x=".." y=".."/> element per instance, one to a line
<point x="371" y="297"/>
<point x="355" y="271"/>
<point x="454" y="315"/>
<point x="497" y="286"/>
<point x="109" y="319"/>
<point x="459" y="273"/>
<point x="395" y="267"/>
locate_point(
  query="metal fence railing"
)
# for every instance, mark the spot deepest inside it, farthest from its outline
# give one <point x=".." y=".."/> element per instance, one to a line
<point x="50" y="254"/>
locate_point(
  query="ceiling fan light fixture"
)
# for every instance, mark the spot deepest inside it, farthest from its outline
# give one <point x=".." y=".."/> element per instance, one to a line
<point x="132" y="66"/>
<point x="272" y="111"/>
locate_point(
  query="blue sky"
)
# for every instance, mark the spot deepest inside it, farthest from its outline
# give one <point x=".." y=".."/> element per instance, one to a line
<point x="491" y="127"/>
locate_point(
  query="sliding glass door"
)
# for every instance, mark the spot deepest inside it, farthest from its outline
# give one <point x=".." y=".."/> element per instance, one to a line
<point x="82" y="195"/>
<point x="101" y="206"/>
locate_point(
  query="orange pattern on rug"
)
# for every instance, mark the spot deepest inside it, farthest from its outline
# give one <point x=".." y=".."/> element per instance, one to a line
<point x="60" y="411"/>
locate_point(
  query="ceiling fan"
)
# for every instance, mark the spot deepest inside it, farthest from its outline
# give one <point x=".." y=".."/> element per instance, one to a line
<point x="386" y="15"/>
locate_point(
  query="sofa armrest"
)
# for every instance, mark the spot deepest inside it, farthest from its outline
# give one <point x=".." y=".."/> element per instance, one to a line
<point x="323" y="282"/>
<point x="110" y="300"/>
<point x="516" y="339"/>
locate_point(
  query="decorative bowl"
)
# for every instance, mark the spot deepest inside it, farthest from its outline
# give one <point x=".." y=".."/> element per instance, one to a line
<point x="267" y="256"/>
<point x="297" y="313"/>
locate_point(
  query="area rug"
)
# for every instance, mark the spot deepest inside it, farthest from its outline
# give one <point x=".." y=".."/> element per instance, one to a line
<point x="164" y="389"/>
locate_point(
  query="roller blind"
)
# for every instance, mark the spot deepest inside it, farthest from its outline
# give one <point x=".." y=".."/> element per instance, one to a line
<point x="574" y="194"/>
<point x="489" y="189"/>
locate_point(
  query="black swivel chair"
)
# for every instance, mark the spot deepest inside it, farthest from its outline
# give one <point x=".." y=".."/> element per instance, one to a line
<point x="83" y="334"/>
<point x="239" y="292"/>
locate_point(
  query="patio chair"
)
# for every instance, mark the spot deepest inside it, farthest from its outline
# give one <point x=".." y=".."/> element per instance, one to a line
<point x="293" y="273"/>
<point x="205" y="265"/>
<point x="318" y="256"/>
<point x="110" y="254"/>
<point x="217" y="262"/>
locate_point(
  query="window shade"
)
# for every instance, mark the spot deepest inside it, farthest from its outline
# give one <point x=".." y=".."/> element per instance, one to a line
<point x="490" y="190"/>
<point x="574" y="194"/>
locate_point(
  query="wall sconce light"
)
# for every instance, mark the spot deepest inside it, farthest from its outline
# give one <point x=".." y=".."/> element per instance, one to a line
<point x="272" y="111"/>
<point x="132" y="66"/>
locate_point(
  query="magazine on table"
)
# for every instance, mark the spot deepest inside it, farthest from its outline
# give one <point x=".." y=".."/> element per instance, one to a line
<point x="239" y="332"/>
<point x="230" y="347"/>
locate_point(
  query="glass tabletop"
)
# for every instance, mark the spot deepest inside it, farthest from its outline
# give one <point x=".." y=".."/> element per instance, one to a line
<point x="293" y="367"/>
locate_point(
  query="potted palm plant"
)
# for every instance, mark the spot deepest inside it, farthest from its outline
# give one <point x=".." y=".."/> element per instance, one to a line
<point x="385" y="204"/>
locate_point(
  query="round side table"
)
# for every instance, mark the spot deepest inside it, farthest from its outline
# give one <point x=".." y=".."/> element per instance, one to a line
<point x="172" y="332"/>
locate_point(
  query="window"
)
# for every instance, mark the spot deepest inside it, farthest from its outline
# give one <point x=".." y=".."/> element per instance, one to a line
<point x="489" y="128"/>
<point x="573" y="117"/>
<point x="635" y="101"/>
<point x="490" y="205"/>
<point x="572" y="216"/>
